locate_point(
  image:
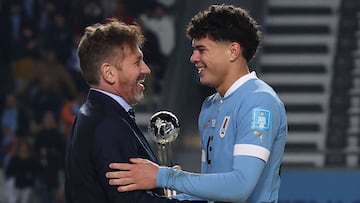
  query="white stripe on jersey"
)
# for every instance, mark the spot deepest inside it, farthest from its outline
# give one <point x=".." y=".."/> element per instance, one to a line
<point x="251" y="150"/>
<point x="203" y="155"/>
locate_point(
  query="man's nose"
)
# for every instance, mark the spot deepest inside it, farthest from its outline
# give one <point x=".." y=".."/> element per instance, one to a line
<point x="194" y="57"/>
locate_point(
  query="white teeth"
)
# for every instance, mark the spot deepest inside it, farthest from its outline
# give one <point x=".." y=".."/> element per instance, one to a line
<point x="200" y="69"/>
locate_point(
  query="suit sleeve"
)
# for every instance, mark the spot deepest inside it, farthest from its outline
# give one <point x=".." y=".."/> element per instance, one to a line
<point x="115" y="142"/>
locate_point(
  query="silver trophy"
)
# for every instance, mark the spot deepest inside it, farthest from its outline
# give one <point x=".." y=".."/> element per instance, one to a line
<point x="164" y="128"/>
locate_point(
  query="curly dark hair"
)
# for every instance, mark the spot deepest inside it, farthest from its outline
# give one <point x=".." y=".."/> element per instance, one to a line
<point x="227" y="23"/>
<point x="107" y="41"/>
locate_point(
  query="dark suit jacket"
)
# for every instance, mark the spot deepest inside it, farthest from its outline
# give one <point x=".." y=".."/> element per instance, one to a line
<point x="103" y="133"/>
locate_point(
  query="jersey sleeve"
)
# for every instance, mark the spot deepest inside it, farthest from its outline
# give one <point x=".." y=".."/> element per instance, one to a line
<point x="256" y="126"/>
<point x="234" y="186"/>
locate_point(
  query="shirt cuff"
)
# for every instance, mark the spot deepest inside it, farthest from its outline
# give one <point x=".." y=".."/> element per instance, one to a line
<point x="162" y="176"/>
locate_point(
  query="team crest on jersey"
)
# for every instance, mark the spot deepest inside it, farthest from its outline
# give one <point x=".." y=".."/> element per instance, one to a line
<point x="261" y="119"/>
<point x="224" y="126"/>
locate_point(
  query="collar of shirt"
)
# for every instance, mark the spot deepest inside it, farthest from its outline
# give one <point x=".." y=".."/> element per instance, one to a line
<point x="240" y="82"/>
<point x="117" y="98"/>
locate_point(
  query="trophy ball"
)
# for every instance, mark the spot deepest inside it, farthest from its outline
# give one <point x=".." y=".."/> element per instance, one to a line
<point x="163" y="127"/>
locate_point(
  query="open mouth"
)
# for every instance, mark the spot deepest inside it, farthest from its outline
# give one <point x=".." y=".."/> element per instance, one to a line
<point x="200" y="70"/>
<point x="141" y="82"/>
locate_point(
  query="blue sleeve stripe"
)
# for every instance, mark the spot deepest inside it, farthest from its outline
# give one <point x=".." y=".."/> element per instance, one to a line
<point x="251" y="150"/>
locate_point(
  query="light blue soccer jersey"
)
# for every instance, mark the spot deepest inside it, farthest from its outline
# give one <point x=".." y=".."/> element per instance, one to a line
<point x="243" y="137"/>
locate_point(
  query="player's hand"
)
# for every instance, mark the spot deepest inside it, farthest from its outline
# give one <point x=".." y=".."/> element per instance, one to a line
<point x="140" y="174"/>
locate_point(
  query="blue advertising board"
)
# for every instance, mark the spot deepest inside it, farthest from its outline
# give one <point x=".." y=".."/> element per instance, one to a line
<point x="320" y="186"/>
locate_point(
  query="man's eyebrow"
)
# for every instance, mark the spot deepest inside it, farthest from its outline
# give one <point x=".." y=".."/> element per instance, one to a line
<point x="139" y="57"/>
<point x="199" y="47"/>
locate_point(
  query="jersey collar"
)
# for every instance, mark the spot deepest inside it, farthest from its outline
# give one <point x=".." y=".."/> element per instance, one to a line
<point x="240" y="82"/>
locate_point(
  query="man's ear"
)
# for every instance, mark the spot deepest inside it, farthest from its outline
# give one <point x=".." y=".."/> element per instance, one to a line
<point x="235" y="51"/>
<point x="107" y="72"/>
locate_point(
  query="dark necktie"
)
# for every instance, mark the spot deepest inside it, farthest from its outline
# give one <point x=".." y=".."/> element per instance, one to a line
<point x="131" y="113"/>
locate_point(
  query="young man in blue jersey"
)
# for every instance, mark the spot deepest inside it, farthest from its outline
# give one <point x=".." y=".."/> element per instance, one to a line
<point x="243" y="126"/>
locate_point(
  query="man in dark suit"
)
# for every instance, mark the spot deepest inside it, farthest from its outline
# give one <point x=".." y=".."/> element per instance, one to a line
<point x="103" y="131"/>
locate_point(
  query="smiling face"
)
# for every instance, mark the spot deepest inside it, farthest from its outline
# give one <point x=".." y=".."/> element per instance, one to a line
<point x="211" y="58"/>
<point x="130" y="75"/>
<point x="124" y="73"/>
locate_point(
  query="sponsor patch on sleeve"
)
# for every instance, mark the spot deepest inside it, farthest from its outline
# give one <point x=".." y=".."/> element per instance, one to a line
<point x="261" y="119"/>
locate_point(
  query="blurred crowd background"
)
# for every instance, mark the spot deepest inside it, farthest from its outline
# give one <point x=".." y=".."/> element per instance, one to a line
<point x="42" y="88"/>
<point x="309" y="54"/>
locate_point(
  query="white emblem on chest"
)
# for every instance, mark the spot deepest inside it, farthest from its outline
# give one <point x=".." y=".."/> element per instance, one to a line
<point x="213" y="123"/>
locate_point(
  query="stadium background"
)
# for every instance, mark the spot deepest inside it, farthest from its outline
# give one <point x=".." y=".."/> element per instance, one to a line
<point x="309" y="54"/>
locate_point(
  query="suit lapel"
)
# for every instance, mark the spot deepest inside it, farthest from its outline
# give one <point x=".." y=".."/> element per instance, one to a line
<point x="112" y="106"/>
<point x="140" y="136"/>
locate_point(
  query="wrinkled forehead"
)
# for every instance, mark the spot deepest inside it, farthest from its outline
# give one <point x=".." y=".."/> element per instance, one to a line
<point x="132" y="52"/>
